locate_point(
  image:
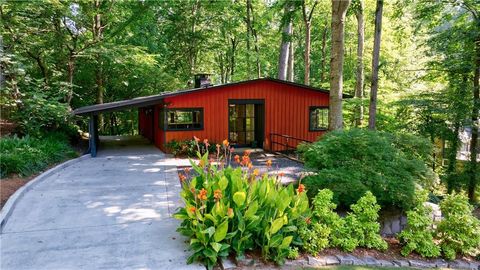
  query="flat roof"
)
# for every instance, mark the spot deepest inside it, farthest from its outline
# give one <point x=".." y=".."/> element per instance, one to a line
<point x="155" y="99"/>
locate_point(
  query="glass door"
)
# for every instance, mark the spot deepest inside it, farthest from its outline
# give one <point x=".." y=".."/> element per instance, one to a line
<point x="242" y="124"/>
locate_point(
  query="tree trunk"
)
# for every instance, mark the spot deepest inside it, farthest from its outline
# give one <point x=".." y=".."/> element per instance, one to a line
<point x="97" y="37"/>
<point x="452" y="158"/>
<point x="307" y="20"/>
<point x="324" y="54"/>
<point x="291" y="63"/>
<point x="339" y="10"/>
<point x="359" y="71"/>
<point x="475" y="114"/>
<point x="232" y="57"/>
<point x="70" y="72"/>
<point x="372" y="113"/>
<point x="285" y="45"/>
<point x="249" y="27"/>
<point x="255" y="38"/>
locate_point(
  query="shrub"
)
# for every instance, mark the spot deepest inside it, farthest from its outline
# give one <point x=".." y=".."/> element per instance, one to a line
<point x="418" y="235"/>
<point x="459" y="230"/>
<point x="352" y="162"/>
<point x="28" y="155"/>
<point x="188" y="148"/>
<point x="358" y="228"/>
<point x="230" y="210"/>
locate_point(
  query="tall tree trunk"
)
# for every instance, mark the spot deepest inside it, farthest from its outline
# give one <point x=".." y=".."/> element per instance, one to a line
<point x="339" y="10"/>
<point x="323" y="67"/>
<point x="249" y="27"/>
<point x="475" y="114"/>
<point x="307" y="20"/>
<point x="285" y="45"/>
<point x="70" y="72"/>
<point x="97" y="37"/>
<point x="291" y="61"/>
<point x="359" y="71"/>
<point x="255" y="39"/>
<point x="452" y="158"/>
<point x="372" y="112"/>
<point x="232" y="57"/>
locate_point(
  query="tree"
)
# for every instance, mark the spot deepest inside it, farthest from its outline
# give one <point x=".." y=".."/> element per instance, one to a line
<point x="307" y="20"/>
<point x="286" y="40"/>
<point x="339" y="10"/>
<point x="359" y="77"/>
<point x="372" y="113"/>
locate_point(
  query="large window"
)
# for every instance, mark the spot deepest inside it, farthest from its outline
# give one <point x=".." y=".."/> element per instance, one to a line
<point x="184" y="119"/>
<point x="318" y="118"/>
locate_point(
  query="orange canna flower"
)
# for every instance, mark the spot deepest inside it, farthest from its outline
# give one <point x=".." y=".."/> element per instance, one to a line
<point x="218" y="146"/>
<point x="255" y="172"/>
<point x="245" y="160"/>
<point x="230" y="212"/>
<point x="192" y="209"/>
<point x="250" y="165"/>
<point x="246" y="153"/>
<point x="205" y="141"/>
<point x="182" y="177"/>
<point x="196" y="138"/>
<point x="192" y="190"/>
<point x="281" y="174"/>
<point x="225" y="143"/>
<point x="187" y="170"/>
<point x="301" y="188"/>
<point x="269" y="163"/>
<point x="237" y="158"/>
<point x="202" y="195"/>
<point x="217" y="194"/>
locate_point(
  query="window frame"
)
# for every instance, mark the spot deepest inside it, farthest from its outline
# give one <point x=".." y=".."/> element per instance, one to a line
<point x="310" y="110"/>
<point x="166" y="111"/>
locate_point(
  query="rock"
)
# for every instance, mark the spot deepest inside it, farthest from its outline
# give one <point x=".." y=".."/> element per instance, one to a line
<point x="315" y="262"/>
<point x="385" y="263"/>
<point x="246" y="262"/>
<point x="458" y="264"/>
<point x="298" y="262"/>
<point x="396" y="226"/>
<point x="387" y="230"/>
<point x="228" y="264"/>
<point x="439" y="263"/>
<point x="403" y="220"/>
<point x="331" y="260"/>
<point x="421" y="264"/>
<point x="401" y="263"/>
<point x="346" y="259"/>
<point x="371" y="261"/>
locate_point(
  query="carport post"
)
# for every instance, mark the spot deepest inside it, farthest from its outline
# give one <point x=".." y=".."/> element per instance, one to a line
<point x="92" y="131"/>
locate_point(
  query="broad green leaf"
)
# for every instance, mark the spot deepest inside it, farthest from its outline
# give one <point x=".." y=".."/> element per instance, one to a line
<point x="216" y="246"/>
<point x="223" y="183"/>
<point x="239" y="198"/>
<point x="286" y="242"/>
<point x="276" y="225"/>
<point x="221" y="231"/>
<point x="252" y="209"/>
<point x="276" y="240"/>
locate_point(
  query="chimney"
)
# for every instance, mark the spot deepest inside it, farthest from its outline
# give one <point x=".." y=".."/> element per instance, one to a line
<point x="202" y="80"/>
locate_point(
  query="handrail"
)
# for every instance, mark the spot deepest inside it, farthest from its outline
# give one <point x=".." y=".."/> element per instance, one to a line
<point x="286" y="144"/>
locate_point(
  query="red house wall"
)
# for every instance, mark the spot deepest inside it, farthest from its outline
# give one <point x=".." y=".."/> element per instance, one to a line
<point x="145" y="121"/>
<point x="286" y="110"/>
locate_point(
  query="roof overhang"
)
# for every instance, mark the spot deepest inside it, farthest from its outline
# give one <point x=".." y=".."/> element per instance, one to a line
<point x="156" y="99"/>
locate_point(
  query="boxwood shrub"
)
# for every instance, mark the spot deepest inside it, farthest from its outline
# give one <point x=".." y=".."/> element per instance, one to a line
<point x="355" y="161"/>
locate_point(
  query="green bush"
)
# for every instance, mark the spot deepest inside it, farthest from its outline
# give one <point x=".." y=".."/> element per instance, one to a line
<point x="352" y="162"/>
<point x="229" y="210"/>
<point x="358" y="228"/>
<point x="28" y="155"/>
<point x="419" y="233"/>
<point x="459" y="230"/>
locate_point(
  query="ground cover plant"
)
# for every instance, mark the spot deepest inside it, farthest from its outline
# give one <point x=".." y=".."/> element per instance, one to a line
<point x="28" y="155"/>
<point x="231" y="210"/>
<point x="355" y="161"/>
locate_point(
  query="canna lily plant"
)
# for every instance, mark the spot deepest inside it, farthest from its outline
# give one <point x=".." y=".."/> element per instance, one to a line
<point x="232" y="210"/>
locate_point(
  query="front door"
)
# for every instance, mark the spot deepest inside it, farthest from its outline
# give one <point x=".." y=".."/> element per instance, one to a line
<point x="246" y="122"/>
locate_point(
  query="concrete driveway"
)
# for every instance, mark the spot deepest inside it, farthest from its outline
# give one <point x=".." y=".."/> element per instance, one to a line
<point x="110" y="212"/>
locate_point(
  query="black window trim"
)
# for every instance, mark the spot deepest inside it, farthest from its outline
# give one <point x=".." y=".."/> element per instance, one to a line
<point x="310" y="109"/>
<point x="165" y="112"/>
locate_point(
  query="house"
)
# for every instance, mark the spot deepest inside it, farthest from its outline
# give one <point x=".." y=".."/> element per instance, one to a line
<point x="267" y="113"/>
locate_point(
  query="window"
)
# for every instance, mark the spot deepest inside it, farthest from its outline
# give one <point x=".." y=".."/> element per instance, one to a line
<point x="318" y="118"/>
<point x="184" y="119"/>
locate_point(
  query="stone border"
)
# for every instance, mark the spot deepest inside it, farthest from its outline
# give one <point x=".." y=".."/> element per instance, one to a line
<point x="12" y="201"/>
<point x="348" y="259"/>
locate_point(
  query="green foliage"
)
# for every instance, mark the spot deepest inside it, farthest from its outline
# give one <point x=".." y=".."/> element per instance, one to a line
<point x="459" y="230"/>
<point x="293" y="253"/>
<point x="229" y="210"/>
<point x="28" y="155"/>
<point x="352" y="162"/>
<point x="188" y="148"/>
<point x="418" y="235"/>
<point x="358" y="228"/>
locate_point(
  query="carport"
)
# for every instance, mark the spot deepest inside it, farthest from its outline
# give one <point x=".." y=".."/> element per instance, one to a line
<point x="93" y="111"/>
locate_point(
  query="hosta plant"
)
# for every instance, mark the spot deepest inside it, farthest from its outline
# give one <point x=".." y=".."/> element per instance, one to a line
<point x="233" y="210"/>
<point x="418" y="236"/>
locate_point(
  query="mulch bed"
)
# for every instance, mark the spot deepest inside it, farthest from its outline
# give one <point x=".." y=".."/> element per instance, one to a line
<point x="8" y="186"/>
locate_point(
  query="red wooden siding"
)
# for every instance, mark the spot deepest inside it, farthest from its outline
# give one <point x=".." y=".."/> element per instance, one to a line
<point x="145" y="121"/>
<point x="286" y="110"/>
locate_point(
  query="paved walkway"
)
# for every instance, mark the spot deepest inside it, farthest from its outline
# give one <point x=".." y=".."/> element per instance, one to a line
<point x="110" y="212"/>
